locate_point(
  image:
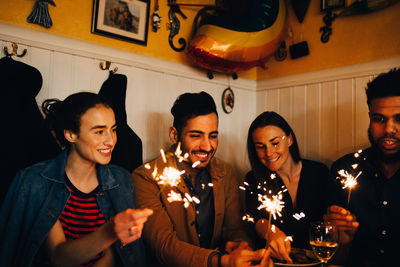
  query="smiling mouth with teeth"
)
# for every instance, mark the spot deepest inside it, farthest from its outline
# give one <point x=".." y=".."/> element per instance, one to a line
<point x="105" y="152"/>
<point x="273" y="160"/>
<point x="388" y="142"/>
<point x="201" y="155"/>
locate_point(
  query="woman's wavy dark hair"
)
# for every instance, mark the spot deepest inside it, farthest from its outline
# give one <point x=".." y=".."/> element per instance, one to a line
<point x="66" y="115"/>
<point x="265" y="119"/>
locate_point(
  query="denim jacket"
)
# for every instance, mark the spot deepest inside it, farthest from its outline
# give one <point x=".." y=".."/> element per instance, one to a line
<point x="36" y="199"/>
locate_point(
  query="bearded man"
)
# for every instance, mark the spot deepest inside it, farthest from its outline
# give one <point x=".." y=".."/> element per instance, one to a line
<point x="369" y="223"/>
<point x="209" y="231"/>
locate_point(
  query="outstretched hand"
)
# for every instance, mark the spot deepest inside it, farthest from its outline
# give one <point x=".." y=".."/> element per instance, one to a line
<point x="344" y="220"/>
<point x="128" y="224"/>
<point x="280" y="245"/>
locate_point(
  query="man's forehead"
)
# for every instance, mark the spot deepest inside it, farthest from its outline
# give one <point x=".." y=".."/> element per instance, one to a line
<point x="391" y="103"/>
<point x="202" y="123"/>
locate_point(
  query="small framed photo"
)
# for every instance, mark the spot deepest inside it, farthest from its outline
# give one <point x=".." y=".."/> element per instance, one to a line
<point x="332" y="4"/>
<point x="121" y="19"/>
<point x="228" y="100"/>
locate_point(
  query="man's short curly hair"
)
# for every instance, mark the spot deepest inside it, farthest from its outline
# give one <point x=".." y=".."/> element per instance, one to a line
<point x="190" y="105"/>
<point x="384" y="85"/>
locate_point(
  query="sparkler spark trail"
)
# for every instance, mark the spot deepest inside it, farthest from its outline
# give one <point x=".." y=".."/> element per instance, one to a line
<point x="194" y="165"/>
<point x="298" y="216"/>
<point x="289" y="238"/>
<point x="348" y="181"/>
<point x="163" y="155"/>
<point x="248" y="218"/>
<point x="273" y="205"/>
<point x="174" y="196"/>
<point x="171" y="176"/>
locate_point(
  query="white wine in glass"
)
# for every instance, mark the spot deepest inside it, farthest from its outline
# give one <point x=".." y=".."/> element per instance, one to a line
<point x="324" y="240"/>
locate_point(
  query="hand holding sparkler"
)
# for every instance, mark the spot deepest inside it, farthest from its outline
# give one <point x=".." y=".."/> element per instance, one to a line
<point x="345" y="222"/>
<point x="277" y="241"/>
<point x="280" y="245"/>
<point x="273" y="206"/>
<point x="127" y="225"/>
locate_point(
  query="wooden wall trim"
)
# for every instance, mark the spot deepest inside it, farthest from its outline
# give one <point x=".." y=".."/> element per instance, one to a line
<point x="340" y="73"/>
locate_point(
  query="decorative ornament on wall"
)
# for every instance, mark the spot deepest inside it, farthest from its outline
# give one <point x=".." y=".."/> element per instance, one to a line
<point x="300" y="8"/>
<point x="229" y="44"/>
<point x="281" y="53"/>
<point x="327" y="7"/>
<point x="349" y="7"/>
<point x="156" y="18"/>
<point x="40" y="13"/>
<point x="174" y="25"/>
<point x="228" y="100"/>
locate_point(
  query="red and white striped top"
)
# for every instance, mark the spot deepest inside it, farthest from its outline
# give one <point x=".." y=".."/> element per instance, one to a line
<point x="81" y="215"/>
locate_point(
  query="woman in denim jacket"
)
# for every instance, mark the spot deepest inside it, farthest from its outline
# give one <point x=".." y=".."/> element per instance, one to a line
<point x="35" y="227"/>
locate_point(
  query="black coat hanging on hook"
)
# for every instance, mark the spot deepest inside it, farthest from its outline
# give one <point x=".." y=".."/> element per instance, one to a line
<point x="26" y="140"/>
<point x="128" y="150"/>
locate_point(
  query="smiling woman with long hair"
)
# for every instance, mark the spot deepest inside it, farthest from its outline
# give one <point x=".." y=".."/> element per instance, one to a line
<point x="273" y="151"/>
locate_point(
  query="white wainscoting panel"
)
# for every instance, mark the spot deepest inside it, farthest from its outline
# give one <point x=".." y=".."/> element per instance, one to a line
<point x="327" y="112"/>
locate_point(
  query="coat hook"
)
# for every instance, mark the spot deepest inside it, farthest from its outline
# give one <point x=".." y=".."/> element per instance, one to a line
<point x="14" y="51"/>
<point x="106" y="66"/>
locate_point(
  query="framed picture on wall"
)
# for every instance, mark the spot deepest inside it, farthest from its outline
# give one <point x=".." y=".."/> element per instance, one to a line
<point x="228" y="100"/>
<point x="332" y="4"/>
<point x="121" y="19"/>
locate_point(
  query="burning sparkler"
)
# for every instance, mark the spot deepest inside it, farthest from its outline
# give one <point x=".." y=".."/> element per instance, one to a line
<point x="348" y="181"/>
<point x="273" y="205"/>
<point x="174" y="196"/>
<point x="170" y="176"/>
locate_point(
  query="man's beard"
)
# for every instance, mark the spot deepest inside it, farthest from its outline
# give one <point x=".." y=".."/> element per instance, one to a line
<point x="387" y="158"/>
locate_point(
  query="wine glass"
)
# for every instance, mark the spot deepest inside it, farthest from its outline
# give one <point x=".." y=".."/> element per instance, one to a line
<point x="324" y="240"/>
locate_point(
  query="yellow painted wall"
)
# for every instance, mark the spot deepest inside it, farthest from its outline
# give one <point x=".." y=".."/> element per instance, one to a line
<point x="355" y="39"/>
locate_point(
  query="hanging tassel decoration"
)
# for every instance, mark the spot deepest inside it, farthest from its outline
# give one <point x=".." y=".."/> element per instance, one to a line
<point x="40" y="13"/>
